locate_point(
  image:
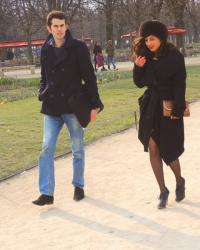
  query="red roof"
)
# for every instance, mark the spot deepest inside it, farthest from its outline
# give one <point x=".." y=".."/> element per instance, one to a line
<point x="36" y="42"/>
<point x="171" y="31"/>
<point x="127" y="35"/>
<point x="16" y="44"/>
<point x="174" y="31"/>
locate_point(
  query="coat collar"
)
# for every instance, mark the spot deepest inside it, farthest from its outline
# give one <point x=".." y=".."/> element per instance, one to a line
<point x="50" y="44"/>
<point x="67" y="43"/>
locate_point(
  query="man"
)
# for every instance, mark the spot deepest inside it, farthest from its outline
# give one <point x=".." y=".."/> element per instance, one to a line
<point x="110" y="50"/>
<point x="65" y="64"/>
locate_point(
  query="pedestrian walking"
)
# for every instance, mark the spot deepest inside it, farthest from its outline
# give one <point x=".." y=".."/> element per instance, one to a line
<point x="110" y="50"/>
<point x="160" y="67"/>
<point x="66" y="72"/>
<point x="98" y="57"/>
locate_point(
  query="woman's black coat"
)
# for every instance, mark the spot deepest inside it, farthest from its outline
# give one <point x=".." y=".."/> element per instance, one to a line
<point x="69" y="74"/>
<point x="165" y="80"/>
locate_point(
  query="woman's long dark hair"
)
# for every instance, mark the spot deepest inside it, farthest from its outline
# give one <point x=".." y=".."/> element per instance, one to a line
<point x="140" y="49"/>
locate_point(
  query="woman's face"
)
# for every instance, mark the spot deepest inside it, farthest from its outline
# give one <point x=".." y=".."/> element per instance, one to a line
<point x="153" y="43"/>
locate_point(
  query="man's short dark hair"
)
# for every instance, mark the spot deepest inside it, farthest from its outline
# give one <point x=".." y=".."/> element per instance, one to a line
<point x="56" y="14"/>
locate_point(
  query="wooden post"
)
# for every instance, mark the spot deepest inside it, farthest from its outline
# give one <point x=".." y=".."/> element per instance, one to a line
<point x="135" y="115"/>
<point x="32" y="68"/>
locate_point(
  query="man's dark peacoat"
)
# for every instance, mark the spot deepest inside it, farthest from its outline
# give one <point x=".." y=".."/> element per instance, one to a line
<point x="70" y="73"/>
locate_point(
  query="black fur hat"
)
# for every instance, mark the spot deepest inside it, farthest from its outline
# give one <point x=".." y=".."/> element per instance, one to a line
<point x="154" y="28"/>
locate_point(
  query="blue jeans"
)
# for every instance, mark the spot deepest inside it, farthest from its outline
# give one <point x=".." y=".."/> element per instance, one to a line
<point x="52" y="127"/>
<point x="111" y="60"/>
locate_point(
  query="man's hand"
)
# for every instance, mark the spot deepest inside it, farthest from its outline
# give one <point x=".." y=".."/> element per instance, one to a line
<point x="140" y="60"/>
<point x="93" y="114"/>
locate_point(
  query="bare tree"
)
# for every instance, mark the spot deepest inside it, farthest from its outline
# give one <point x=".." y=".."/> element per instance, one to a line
<point x="177" y="8"/>
<point x="2" y="28"/>
<point x="26" y="21"/>
<point x="2" y="17"/>
<point x="108" y="7"/>
<point x="155" y="8"/>
<point x="99" y="19"/>
<point x="42" y="7"/>
<point x="121" y="22"/>
<point x="5" y="21"/>
<point x="135" y="10"/>
<point x="193" y="8"/>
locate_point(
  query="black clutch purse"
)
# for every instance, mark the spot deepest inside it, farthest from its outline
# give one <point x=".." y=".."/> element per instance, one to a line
<point x="81" y="107"/>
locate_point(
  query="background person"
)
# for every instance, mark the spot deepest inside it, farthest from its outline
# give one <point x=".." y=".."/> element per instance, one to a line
<point x="98" y="57"/>
<point x="110" y="50"/>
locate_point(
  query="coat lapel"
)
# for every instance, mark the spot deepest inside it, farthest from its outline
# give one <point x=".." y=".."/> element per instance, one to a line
<point x="60" y="59"/>
<point x="53" y="61"/>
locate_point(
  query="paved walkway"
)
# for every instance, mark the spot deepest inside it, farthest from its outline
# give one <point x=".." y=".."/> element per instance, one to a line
<point x="119" y="211"/>
<point x="120" y="66"/>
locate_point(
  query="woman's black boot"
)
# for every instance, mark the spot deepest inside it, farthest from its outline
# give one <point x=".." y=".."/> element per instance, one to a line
<point x="163" y="199"/>
<point x="180" y="191"/>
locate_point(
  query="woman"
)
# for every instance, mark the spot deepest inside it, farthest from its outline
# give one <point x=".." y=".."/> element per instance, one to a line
<point x="98" y="57"/>
<point x="160" y="67"/>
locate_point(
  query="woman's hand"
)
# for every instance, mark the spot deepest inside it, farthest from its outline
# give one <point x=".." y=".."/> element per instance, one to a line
<point x="174" y="117"/>
<point x="140" y="60"/>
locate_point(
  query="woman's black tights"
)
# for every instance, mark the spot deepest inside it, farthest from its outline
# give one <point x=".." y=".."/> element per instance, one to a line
<point x="157" y="166"/>
<point x="175" y="167"/>
<point x="156" y="163"/>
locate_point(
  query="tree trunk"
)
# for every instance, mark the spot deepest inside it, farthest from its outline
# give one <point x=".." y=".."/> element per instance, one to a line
<point x="192" y="8"/>
<point x="109" y="24"/>
<point x="177" y="7"/>
<point x="179" y="23"/>
<point x="101" y="30"/>
<point x="52" y="5"/>
<point x="155" y="8"/>
<point x="30" y="51"/>
<point x="195" y="34"/>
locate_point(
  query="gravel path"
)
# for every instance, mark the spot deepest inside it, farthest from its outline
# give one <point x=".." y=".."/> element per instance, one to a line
<point x="119" y="211"/>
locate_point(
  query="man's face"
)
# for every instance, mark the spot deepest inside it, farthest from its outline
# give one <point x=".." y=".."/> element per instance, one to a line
<point x="58" y="28"/>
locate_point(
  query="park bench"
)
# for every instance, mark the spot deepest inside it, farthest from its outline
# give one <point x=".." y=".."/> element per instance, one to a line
<point x="21" y="67"/>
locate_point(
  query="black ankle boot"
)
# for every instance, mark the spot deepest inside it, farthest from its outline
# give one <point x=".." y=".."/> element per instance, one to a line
<point x="44" y="200"/>
<point x="180" y="191"/>
<point x="163" y="199"/>
<point x="78" y="194"/>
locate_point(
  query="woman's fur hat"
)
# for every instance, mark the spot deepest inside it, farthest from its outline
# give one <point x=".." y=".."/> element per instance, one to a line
<point x="154" y="28"/>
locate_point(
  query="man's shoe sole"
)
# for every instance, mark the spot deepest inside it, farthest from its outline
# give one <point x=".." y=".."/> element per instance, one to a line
<point x="78" y="199"/>
<point x="39" y="204"/>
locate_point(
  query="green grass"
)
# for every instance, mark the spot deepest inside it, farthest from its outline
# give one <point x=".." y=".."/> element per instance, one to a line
<point x="12" y="89"/>
<point x="21" y="122"/>
<point x="193" y="83"/>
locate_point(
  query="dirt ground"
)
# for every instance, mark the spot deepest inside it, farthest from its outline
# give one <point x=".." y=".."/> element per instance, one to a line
<point x="119" y="211"/>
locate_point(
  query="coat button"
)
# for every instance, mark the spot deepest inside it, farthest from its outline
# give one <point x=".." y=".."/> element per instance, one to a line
<point x="53" y="71"/>
<point x="62" y="94"/>
<point x="62" y="69"/>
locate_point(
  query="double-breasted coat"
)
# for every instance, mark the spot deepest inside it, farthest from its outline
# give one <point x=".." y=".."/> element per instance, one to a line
<point x="65" y="75"/>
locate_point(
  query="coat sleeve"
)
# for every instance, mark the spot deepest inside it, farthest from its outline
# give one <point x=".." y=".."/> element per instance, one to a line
<point x="179" y="86"/>
<point x="88" y="75"/>
<point x="43" y="85"/>
<point x="143" y="76"/>
<point x="138" y="73"/>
